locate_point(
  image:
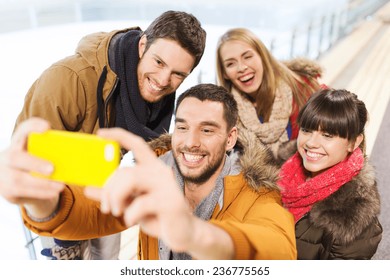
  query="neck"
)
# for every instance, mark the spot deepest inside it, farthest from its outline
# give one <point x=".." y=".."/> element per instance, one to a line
<point x="195" y="193"/>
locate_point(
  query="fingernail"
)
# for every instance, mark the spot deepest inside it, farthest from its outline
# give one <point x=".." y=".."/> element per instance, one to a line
<point x="115" y="211"/>
<point x="48" y="169"/>
<point x="103" y="207"/>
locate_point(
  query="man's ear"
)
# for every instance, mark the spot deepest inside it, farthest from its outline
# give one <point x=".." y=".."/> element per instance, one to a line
<point x="232" y="139"/>
<point x="142" y="46"/>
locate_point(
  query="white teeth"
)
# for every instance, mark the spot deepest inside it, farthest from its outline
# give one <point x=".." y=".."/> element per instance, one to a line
<point x="313" y="155"/>
<point x="154" y="86"/>
<point x="192" y="158"/>
<point x="246" y="78"/>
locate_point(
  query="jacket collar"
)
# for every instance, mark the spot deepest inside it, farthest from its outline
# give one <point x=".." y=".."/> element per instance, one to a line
<point x="255" y="160"/>
<point x="95" y="49"/>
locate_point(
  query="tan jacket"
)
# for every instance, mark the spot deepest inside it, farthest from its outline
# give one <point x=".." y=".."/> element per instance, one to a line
<point x="252" y="211"/>
<point x="65" y="93"/>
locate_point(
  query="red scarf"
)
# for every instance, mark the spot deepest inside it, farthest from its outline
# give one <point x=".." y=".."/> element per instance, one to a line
<point x="299" y="194"/>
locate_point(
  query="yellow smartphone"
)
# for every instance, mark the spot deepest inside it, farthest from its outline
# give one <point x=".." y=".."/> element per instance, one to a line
<point x="79" y="158"/>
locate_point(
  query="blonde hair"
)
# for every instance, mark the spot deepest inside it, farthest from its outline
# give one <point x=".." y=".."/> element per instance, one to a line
<point x="274" y="72"/>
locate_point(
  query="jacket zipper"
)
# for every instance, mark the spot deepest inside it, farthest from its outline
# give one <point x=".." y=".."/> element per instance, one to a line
<point x="107" y="101"/>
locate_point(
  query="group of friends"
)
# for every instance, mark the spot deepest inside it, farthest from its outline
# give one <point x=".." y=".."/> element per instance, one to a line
<point x="267" y="163"/>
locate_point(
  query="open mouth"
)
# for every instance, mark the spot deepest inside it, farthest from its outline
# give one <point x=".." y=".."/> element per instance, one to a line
<point x="313" y="156"/>
<point x="192" y="159"/>
<point x="246" y="78"/>
<point x="154" y="86"/>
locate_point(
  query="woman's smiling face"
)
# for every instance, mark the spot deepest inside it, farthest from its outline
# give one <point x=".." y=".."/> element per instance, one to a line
<point x="320" y="150"/>
<point x="242" y="66"/>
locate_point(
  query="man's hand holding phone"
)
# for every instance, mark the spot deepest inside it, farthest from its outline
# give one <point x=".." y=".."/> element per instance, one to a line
<point x="17" y="185"/>
<point x="146" y="193"/>
<point x="39" y="162"/>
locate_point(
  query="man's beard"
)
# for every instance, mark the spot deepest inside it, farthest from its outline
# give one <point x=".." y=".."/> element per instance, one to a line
<point x="207" y="171"/>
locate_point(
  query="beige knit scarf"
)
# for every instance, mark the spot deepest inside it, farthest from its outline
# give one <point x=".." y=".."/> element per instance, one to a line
<point x="272" y="133"/>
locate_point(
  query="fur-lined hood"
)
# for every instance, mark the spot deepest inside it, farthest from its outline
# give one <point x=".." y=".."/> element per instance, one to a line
<point x="255" y="159"/>
<point x="347" y="212"/>
<point x="305" y="67"/>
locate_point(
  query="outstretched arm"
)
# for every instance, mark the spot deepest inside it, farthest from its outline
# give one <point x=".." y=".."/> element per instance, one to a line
<point x="147" y="194"/>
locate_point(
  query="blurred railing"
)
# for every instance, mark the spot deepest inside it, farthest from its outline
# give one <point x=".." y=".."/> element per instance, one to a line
<point x="315" y="38"/>
<point x="310" y="40"/>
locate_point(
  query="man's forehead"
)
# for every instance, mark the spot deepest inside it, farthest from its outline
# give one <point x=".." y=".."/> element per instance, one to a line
<point x="172" y="52"/>
<point x="192" y="108"/>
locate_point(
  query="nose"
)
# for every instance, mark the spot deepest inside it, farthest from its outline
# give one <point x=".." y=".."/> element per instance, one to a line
<point x="242" y="67"/>
<point x="164" y="78"/>
<point x="192" y="139"/>
<point x="314" y="140"/>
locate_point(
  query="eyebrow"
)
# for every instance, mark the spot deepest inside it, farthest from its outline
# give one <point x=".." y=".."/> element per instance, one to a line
<point x="165" y="64"/>
<point x="246" y="52"/>
<point x="209" y="123"/>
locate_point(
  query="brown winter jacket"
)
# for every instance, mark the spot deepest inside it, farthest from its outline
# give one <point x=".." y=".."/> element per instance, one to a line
<point x="252" y="212"/>
<point x="65" y="93"/>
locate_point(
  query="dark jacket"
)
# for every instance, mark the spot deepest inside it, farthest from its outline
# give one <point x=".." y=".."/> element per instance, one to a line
<point x="345" y="225"/>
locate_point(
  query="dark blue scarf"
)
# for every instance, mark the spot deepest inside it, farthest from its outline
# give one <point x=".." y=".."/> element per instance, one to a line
<point x="133" y="113"/>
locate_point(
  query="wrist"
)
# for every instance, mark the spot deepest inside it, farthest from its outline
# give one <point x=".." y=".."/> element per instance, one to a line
<point x="44" y="212"/>
<point x="211" y="242"/>
<point x="42" y="220"/>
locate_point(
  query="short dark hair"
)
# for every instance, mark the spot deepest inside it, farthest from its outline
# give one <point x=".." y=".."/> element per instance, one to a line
<point x="335" y="111"/>
<point x="212" y="92"/>
<point x="181" y="27"/>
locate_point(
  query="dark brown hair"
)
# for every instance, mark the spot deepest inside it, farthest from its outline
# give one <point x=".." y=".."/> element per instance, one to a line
<point x="335" y="111"/>
<point x="181" y="27"/>
<point x="211" y="92"/>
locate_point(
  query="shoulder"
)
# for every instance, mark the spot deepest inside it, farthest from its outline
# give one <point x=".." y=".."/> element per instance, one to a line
<point x="97" y="39"/>
<point x="304" y="67"/>
<point x="351" y="209"/>
<point x="257" y="163"/>
<point x="92" y="49"/>
<point x="162" y="144"/>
